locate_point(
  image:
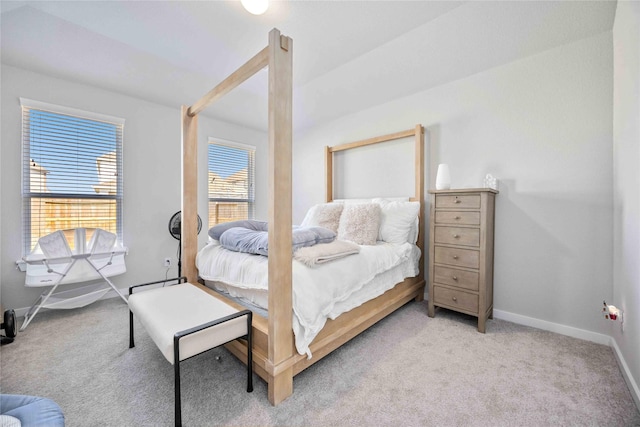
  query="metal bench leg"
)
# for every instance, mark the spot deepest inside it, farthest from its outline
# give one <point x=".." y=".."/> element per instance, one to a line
<point x="131" y="343"/>
<point x="249" y="353"/>
<point x="176" y="371"/>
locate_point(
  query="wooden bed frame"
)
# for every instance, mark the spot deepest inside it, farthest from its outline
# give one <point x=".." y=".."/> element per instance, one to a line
<point x="274" y="355"/>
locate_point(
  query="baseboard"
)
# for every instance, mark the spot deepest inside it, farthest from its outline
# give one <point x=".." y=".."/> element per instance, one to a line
<point x="626" y="373"/>
<point x="581" y="334"/>
<point x="553" y="327"/>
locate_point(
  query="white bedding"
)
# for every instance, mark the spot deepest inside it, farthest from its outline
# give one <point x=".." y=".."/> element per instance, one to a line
<point x="319" y="293"/>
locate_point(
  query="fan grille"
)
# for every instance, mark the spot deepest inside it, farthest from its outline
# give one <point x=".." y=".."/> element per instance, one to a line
<point x="175" y="224"/>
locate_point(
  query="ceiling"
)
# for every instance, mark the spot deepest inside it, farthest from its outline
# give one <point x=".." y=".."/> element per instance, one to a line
<point x="348" y="55"/>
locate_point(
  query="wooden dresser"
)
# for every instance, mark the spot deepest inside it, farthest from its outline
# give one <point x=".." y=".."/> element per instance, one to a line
<point x="461" y="252"/>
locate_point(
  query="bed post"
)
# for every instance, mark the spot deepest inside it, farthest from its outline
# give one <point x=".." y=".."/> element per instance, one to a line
<point x="280" y="218"/>
<point x="189" y="231"/>
<point x="328" y="174"/>
<point x="419" y="172"/>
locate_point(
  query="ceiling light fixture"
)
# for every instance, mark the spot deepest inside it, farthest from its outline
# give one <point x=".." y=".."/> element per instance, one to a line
<point x="257" y="7"/>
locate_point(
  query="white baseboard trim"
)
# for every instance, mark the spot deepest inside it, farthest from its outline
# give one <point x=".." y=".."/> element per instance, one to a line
<point x="581" y="334"/>
<point x="626" y="373"/>
<point x="553" y="327"/>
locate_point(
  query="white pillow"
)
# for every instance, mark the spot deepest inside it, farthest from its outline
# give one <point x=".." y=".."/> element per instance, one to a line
<point x="352" y="201"/>
<point x="359" y="223"/>
<point x="373" y="200"/>
<point x="325" y="215"/>
<point x="397" y="220"/>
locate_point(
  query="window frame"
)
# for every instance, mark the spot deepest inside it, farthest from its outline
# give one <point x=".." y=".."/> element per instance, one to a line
<point x="250" y="200"/>
<point x="28" y="105"/>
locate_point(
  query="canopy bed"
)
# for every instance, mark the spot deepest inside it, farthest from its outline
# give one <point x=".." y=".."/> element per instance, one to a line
<point x="275" y="358"/>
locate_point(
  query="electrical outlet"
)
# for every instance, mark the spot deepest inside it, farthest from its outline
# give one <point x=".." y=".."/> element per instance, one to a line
<point x="167" y="262"/>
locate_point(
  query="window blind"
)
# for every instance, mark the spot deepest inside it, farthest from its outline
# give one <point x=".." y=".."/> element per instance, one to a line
<point x="230" y="181"/>
<point x="72" y="171"/>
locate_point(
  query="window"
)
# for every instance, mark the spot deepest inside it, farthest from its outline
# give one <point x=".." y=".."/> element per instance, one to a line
<point x="71" y="173"/>
<point x="231" y="175"/>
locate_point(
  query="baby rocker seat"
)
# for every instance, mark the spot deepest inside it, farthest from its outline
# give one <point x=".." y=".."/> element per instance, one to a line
<point x="52" y="263"/>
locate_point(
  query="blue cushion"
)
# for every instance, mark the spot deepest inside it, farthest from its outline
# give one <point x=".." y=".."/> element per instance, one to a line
<point x="240" y="239"/>
<point x="252" y="241"/>
<point x="32" y="411"/>
<point x="216" y="231"/>
<point x="322" y="234"/>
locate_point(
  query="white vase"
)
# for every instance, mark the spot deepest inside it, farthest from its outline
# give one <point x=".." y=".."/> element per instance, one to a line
<point x="443" y="178"/>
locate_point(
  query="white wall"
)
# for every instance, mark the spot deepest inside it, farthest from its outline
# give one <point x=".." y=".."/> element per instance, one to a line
<point x="543" y="126"/>
<point x="626" y="186"/>
<point x="152" y="174"/>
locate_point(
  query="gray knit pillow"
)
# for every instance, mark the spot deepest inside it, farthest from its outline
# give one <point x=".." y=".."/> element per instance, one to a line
<point x="359" y="223"/>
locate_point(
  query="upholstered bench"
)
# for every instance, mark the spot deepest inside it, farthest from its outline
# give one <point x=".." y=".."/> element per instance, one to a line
<point x="183" y="321"/>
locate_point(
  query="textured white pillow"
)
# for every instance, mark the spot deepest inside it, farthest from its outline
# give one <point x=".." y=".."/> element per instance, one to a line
<point x="325" y="215"/>
<point x="397" y="220"/>
<point x="359" y="223"/>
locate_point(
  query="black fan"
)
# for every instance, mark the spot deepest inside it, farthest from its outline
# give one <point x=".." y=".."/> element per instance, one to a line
<point x="175" y="228"/>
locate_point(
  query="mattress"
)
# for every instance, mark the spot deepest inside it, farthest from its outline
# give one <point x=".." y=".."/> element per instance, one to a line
<point x="319" y="293"/>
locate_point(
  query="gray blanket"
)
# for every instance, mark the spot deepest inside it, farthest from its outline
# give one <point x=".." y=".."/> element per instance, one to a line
<point x="252" y="237"/>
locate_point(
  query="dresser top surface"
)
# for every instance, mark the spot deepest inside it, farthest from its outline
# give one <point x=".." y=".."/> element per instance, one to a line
<point x="464" y="190"/>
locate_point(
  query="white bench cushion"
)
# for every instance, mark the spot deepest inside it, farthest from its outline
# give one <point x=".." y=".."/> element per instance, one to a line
<point x="165" y="311"/>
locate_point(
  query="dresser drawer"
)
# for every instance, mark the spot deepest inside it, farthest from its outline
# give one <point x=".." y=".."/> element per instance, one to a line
<point x="458" y="236"/>
<point x="457" y="257"/>
<point x="454" y="277"/>
<point x="458" y="217"/>
<point x="471" y="201"/>
<point x="458" y="300"/>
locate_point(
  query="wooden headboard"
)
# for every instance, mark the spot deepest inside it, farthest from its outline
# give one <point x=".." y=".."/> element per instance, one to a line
<point x="418" y="133"/>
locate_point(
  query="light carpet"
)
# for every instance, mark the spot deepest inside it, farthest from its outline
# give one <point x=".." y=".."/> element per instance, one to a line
<point x="408" y="370"/>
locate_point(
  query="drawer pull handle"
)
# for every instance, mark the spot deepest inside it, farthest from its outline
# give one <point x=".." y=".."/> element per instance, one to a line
<point x="457" y="201"/>
<point x="455" y="277"/>
<point x="454" y="299"/>
<point x="455" y="257"/>
<point x="455" y="236"/>
<point x="457" y="217"/>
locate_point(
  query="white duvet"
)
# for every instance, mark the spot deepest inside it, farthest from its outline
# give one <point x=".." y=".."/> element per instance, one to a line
<point x="321" y="292"/>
